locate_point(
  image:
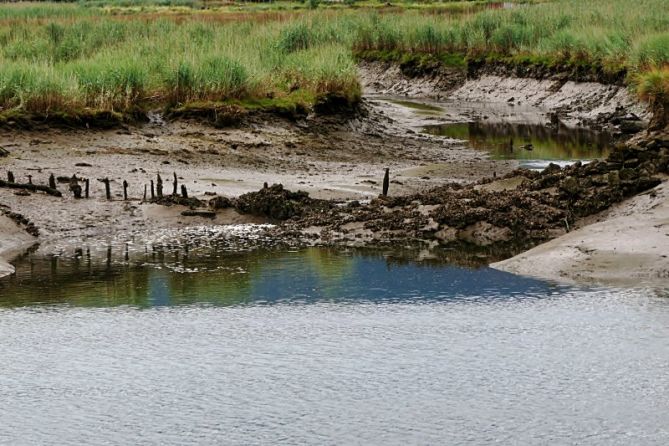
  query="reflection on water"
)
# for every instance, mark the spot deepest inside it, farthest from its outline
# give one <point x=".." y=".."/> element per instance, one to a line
<point x="528" y="142"/>
<point x="260" y="276"/>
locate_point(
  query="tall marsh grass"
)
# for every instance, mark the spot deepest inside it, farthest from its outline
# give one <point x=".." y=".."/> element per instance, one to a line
<point x="69" y="56"/>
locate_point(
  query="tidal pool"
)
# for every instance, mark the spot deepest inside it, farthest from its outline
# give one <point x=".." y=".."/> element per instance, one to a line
<point x="318" y="346"/>
<point x="534" y="145"/>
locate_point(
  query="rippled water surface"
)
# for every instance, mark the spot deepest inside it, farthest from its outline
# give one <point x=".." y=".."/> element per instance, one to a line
<point x="322" y="347"/>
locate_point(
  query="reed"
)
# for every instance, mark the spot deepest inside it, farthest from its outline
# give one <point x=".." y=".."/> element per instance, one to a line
<point x="69" y="57"/>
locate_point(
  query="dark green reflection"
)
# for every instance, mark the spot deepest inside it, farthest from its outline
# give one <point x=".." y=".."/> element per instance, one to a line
<point x="163" y="277"/>
<point x="512" y="141"/>
<point x="223" y="278"/>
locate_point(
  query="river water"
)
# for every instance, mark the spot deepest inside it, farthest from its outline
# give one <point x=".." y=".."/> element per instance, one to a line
<point x="324" y="347"/>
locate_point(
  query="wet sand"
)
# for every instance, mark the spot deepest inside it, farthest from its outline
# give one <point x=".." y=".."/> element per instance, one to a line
<point x="13" y="241"/>
<point x="628" y="245"/>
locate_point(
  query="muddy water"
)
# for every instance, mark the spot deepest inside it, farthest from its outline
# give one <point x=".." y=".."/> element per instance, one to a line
<point x="505" y="131"/>
<point x="323" y="347"/>
<point x="529" y="143"/>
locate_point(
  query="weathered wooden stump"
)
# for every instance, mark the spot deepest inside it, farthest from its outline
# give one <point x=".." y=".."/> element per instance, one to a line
<point x="31" y="187"/>
<point x="87" y="183"/>
<point x="386" y="182"/>
<point x="10" y="176"/>
<point x="75" y="188"/>
<point x="144" y="199"/>
<point x="184" y="192"/>
<point x="125" y="190"/>
<point x="30" y="179"/>
<point x="175" y="183"/>
<point x="52" y="181"/>
<point x="107" y="187"/>
<point x="153" y="191"/>
<point x="159" y="186"/>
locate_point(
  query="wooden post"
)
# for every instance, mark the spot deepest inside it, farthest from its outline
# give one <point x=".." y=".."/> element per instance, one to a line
<point x="159" y="187"/>
<point x="52" y="181"/>
<point x="125" y="190"/>
<point x="107" y="189"/>
<point x="265" y="185"/>
<point x="88" y="187"/>
<point x="144" y="199"/>
<point x="30" y="179"/>
<point x="10" y="176"/>
<point x="386" y="182"/>
<point x="184" y="192"/>
<point x="75" y="188"/>
<point x="174" y="190"/>
<point x="153" y="191"/>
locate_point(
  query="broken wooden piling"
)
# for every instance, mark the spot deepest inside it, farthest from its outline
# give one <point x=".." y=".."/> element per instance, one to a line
<point x="125" y="190"/>
<point x="386" y="183"/>
<point x="75" y="188"/>
<point x="107" y="187"/>
<point x="31" y="188"/>
<point x="159" y="186"/>
<point x="184" y="192"/>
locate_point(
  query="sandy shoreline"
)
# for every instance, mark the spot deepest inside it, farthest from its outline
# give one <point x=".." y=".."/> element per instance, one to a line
<point x="628" y="246"/>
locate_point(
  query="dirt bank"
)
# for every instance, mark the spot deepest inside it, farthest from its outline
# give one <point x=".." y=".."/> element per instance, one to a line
<point x="592" y="104"/>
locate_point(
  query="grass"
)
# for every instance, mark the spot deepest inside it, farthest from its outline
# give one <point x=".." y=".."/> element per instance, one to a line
<point x="121" y="56"/>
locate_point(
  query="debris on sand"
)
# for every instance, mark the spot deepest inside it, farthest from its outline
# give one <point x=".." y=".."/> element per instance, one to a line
<point x="278" y="203"/>
<point x="542" y="206"/>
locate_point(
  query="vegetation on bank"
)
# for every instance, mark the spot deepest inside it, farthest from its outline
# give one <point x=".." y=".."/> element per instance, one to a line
<point x="80" y="59"/>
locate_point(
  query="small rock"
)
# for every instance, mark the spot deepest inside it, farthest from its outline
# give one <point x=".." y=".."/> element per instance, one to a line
<point x="446" y="235"/>
<point x="570" y="185"/>
<point x="199" y="213"/>
<point x="220" y="203"/>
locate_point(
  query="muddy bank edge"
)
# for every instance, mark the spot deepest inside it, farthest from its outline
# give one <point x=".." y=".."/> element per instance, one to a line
<point x="13" y="241"/>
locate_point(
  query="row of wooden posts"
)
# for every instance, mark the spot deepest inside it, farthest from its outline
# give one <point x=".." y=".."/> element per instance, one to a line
<point x="156" y="189"/>
<point x="77" y="191"/>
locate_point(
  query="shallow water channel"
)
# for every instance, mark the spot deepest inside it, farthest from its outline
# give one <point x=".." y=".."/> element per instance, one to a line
<point x="505" y="132"/>
<point x="535" y="145"/>
<point x="317" y="346"/>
